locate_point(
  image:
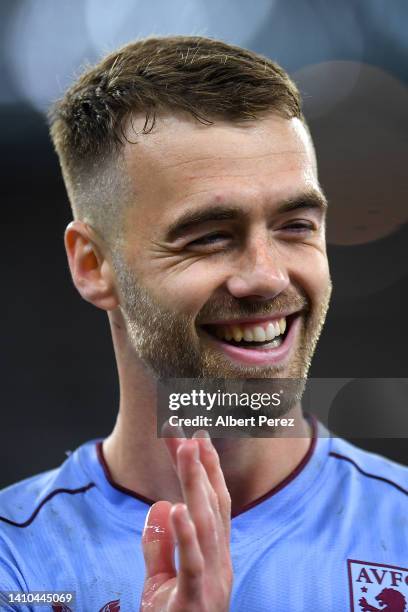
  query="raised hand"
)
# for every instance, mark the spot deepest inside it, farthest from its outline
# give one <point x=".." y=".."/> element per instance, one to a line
<point x="201" y="529"/>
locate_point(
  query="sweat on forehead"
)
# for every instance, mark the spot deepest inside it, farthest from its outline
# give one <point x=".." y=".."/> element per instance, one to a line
<point x="184" y="161"/>
<point x="179" y="148"/>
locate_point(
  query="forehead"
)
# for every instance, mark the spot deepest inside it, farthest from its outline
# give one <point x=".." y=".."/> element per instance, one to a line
<point x="183" y="161"/>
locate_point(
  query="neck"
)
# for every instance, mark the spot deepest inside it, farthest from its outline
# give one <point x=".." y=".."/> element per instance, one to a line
<point x="138" y="460"/>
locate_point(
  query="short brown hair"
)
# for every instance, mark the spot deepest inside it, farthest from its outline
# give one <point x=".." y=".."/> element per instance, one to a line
<point x="206" y="78"/>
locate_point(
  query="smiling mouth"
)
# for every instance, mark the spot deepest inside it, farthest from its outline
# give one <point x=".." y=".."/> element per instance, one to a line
<point x="259" y="335"/>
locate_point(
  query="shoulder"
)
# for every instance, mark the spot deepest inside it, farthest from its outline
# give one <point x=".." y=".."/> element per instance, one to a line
<point x="35" y="517"/>
<point x="370" y="471"/>
<point x="18" y="500"/>
<point x="22" y="503"/>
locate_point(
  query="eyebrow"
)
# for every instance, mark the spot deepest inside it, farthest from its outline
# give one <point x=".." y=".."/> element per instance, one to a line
<point x="310" y="199"/>
<point x="216" y="212"/>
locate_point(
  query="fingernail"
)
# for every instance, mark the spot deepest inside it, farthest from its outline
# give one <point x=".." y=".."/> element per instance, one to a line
<point x="172" y="431"/>
<point x="183" y="513"/>
<point x="196" y="452"/>
<point x="205" y="436"/>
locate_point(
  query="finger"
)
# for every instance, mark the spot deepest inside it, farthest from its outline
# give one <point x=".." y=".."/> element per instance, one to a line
<point x="173" y="437"/>
<point x="172" y="444"/>
<point x="158" y="541"/>
<point x="195" y="487"/>
<point x="211" y="462"/>
<point x="191" y="561"/>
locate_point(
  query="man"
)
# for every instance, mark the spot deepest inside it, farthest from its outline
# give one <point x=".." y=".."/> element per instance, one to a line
<point x="199" y="227"/>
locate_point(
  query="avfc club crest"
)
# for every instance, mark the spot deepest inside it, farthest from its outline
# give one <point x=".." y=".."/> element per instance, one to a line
<point x="377" y="587"/>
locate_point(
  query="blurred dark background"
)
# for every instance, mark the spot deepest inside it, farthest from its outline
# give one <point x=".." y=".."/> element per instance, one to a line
<point x="350" y="60"/>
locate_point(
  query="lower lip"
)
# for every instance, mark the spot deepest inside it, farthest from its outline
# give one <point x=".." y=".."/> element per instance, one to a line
<point x="275" y="356"/>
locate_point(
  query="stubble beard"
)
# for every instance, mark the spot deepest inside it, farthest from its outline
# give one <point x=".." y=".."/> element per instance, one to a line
<point x="168" y="345"/>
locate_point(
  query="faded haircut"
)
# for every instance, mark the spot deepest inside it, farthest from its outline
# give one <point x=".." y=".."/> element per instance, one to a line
<point x="208" y="79"/>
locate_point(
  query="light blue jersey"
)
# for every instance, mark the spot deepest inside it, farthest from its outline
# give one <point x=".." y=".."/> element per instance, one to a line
<point x="333" y="536"/>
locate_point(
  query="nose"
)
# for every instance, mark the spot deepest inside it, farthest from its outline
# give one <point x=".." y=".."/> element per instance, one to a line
<point x="260" y="273"/>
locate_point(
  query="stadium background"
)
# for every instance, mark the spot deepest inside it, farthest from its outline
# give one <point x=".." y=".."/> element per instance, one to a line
<point x="350" y="60"/>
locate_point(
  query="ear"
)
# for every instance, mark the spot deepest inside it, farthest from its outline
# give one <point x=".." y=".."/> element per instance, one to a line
<point x="91" y="272"/>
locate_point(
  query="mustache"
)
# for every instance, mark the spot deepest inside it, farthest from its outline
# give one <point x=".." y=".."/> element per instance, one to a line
<point x="230" y="307"/>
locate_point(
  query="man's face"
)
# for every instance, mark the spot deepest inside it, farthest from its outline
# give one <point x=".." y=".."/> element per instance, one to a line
<point x="223" y="270"/>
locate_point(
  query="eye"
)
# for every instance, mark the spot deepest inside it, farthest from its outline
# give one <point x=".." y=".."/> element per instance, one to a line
<point x="299" y="226"/>
<point x="209" y="239"/>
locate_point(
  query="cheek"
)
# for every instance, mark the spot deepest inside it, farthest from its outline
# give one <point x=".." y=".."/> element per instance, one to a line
<point x="187" y="291"/>
<point x="312" y="275"/>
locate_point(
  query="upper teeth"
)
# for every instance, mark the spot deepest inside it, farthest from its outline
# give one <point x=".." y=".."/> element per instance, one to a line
<point x="252" y="333"/>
